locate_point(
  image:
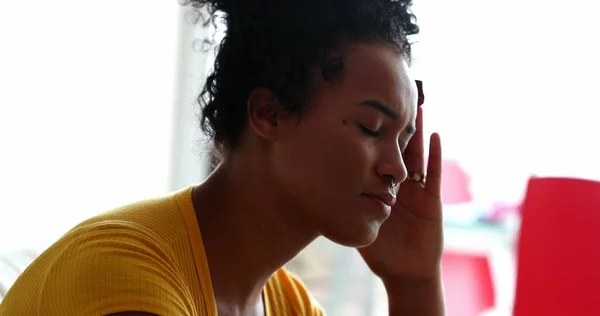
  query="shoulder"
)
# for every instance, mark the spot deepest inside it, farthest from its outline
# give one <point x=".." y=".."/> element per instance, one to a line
<point x="114" y="271"/>
<point x="160" y="219"/>
<point x="99" y="273"/>
<point x="111" y="263"/>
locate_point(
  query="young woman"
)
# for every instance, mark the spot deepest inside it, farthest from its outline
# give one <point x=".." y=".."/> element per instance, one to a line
<point x="314" y="111"/>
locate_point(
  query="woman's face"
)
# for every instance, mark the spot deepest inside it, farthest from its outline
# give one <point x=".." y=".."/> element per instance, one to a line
<point x="337" y="162"/>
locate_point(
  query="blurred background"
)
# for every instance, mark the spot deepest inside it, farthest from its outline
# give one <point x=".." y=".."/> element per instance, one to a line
<point x="97" y="103"/>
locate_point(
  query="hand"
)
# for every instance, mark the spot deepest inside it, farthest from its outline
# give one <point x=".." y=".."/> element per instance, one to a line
<point x="410" y="241"/>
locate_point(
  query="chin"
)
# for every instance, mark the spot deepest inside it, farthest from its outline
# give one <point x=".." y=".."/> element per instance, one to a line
<point x="355" y="237"/>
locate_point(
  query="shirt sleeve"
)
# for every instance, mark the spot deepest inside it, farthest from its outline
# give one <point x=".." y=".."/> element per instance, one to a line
<point x="289" y="296"/>
<point x="114" y="271"/>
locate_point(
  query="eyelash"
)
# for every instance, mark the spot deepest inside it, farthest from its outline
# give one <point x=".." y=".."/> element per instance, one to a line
<point x="369" y="132"/>
<point x="373" y="133"/>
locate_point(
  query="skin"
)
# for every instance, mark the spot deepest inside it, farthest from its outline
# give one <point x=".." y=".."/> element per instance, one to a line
<point x="293" y="178"/>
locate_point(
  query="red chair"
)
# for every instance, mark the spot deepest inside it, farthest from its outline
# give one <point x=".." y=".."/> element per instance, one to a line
<point x="558" y="269"/>
<point x="468" y="285"/>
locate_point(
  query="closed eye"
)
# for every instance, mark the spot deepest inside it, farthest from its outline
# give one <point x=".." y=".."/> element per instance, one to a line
<point x="368" y="131"/>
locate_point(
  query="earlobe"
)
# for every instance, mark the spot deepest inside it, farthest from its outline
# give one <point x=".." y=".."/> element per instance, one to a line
<point x="264" y="111"/>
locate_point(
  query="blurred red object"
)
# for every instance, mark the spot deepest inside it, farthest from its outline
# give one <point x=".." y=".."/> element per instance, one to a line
<point x="558" y="269"/>
<point x="468" y="284"/>
<point x="455" y="183"/>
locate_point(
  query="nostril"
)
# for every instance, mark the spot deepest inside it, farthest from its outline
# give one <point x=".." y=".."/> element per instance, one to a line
<point x="391" y="180"/>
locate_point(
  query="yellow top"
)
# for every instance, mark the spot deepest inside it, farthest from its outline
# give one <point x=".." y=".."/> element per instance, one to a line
<point x="147" y="257"/>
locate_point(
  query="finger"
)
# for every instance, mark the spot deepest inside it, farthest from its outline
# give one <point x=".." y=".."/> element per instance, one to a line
<point x="413" y="156"/>
<point x="434" y="166"/>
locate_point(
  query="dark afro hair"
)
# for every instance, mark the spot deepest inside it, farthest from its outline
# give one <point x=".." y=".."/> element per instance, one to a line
<point x="274" y="43"/>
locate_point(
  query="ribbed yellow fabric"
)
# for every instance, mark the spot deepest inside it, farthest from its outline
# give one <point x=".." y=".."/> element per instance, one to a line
<point x="147" y="256"/>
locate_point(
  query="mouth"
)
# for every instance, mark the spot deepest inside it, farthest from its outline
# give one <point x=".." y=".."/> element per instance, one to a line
<point x="385" y="199"/>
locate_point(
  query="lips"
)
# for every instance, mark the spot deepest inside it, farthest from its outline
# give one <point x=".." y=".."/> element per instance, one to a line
<point x="385" y="197"/>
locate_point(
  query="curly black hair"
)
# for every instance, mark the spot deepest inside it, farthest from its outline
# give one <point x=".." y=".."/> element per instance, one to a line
<point x="274" y="43"/>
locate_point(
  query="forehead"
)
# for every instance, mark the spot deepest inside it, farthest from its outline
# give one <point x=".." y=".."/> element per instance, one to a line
<point x="380" y="72"/>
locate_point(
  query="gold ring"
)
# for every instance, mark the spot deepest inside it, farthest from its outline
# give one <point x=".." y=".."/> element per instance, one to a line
<point x="416" y="177"/>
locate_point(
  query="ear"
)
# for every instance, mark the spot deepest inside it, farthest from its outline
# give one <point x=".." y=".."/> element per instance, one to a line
<point x="265" y="113"/>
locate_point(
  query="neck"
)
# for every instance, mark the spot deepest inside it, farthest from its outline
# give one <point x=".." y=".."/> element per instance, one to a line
<point x="248" y="230"/>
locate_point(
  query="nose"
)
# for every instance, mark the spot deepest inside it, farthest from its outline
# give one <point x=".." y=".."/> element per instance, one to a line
<point x="391" y="165"/>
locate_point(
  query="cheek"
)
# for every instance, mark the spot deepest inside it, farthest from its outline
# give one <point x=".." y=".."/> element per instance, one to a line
<point x="326" y="160"/>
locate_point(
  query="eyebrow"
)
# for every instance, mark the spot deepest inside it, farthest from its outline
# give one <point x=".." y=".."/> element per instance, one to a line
<point x="381" y="107"/>
<point x="387" y="111"/>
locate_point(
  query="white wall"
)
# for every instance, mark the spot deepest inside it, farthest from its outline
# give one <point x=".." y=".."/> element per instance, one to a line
<point x="510" y="85"/>
<point x="86" y="111"/>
